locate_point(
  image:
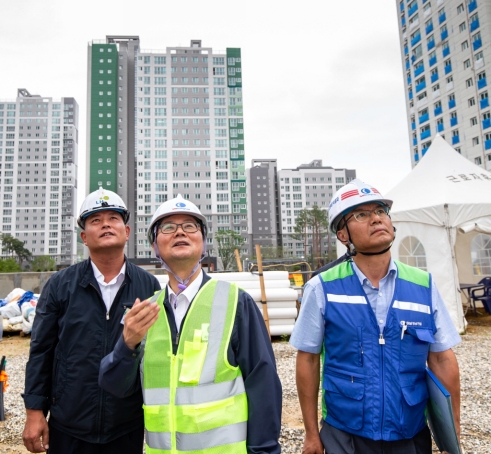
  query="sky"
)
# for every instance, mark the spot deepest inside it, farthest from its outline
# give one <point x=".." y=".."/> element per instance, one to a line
<point x="321" y="80"/>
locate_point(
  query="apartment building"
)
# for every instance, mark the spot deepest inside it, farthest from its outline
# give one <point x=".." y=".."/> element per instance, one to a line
<point x="38" y="185"/>
<point x="167" y="122"/>
<point x="446" y="58"/>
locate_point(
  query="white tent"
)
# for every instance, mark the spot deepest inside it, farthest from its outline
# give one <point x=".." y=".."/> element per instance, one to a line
<point x="438" y="209"/>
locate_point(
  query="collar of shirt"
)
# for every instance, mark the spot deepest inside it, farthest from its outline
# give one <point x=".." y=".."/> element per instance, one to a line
<point x="189" y="293"/>
<point x="100" y="277"/>
<point x="392" y="272"/>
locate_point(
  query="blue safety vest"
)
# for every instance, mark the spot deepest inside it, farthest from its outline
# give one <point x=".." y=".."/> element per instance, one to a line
<point x="374" y="383"/>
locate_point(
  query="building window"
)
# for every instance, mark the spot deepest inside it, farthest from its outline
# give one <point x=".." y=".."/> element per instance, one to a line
<point x="481" y="255"/>
<point x="462" y="27"/>
<point x="475" y="141"/>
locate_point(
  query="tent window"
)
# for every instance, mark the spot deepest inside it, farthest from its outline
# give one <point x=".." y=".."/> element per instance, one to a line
<point x="412" y="252"/>
<point x="481" y="255"/>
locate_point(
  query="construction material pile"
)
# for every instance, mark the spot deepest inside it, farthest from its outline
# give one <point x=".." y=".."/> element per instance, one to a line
<point x="17" y="310"/>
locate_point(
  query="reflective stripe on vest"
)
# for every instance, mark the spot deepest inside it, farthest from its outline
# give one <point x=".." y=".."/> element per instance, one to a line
<point x="234" y="433"/>
<point x="416" y="307"/>
<point x="204" y="408"/>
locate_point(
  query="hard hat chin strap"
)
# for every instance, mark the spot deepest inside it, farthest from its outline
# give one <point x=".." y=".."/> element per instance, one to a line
<point x="351" y="247"/>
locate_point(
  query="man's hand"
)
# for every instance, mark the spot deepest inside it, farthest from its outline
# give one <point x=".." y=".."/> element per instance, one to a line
<point x="36" y="432"/>
<point x="312" y="445"/>
<point x="138" y="321"/>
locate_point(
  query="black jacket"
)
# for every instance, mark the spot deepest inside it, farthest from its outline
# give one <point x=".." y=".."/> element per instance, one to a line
<point x="71" y="334"/>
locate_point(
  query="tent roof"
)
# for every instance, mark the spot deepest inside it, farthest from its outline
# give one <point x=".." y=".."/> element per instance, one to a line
<point x="442" y="177"/>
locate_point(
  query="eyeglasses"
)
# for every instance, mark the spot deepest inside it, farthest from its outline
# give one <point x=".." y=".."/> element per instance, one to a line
<point x="171" y="227"/>
<point x="365" y="215"/>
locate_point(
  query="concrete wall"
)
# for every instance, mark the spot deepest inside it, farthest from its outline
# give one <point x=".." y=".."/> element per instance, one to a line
<point x="35" y="282"/>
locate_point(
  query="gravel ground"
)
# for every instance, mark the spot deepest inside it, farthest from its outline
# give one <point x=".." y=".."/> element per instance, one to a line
<point x="475" y="368"/>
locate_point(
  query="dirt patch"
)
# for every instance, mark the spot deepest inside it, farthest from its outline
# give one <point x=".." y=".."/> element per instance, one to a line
<point x="14" y="344"/>
<point x="12" y="449"/>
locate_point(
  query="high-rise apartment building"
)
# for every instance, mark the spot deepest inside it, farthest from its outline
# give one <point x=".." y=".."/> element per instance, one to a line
<point x="38" y="150"/>
<point x="276" y="198"/>
<point x="446" y="56"/>
<point x="167" y="122"/>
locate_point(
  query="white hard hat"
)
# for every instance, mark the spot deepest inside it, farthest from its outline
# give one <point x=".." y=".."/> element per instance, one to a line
<point x="351" y="195"/>
<point x="100" y="200"/>
<point x="178" y="205"/>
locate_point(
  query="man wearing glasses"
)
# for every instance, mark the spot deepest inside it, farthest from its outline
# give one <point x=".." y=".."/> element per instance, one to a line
<point x="377" y="323"/>
<point x="209" y="378"/>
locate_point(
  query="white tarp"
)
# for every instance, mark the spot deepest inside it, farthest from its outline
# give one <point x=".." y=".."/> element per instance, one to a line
<point x="444" y="198"/>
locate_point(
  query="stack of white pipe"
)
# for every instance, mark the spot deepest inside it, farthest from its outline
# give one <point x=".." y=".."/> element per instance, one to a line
<point x="281" y="298"/>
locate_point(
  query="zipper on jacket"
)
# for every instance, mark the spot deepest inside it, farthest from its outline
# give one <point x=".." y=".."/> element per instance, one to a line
<point x="173" y="387"/>
<point x="381" y="341"/>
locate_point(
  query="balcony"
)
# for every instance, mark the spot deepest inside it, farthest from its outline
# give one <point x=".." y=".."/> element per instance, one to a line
<point x="477" y="44"/>
<point x="442" y="18"/>
<point x="420" y="86"/>
<point x="419" y="70"/>
<point x="438" y="111"/>
<point x="423" y="118"/>
<point x="412" y="10"/>
<point x="416" y="157"/>
<point x="444" y="35"/>
<point x="481" y="83"/>
<point x="455" y="140"/>
<point x="415" y="141"/>
<point x="403" y="21"/>
<point x="484" y="103"/>
<point x="431" y="44"/>
<point x="440" y="127"/>
<point x="486" y="123"/>
<point x="402" y="6"/>
<point x="446" y="51"/>
<point x="487" y="144"/>
<point x="416" y="40"/>
<point x="410" y="95"/>
<point x="453" y="121"/>
<point x="451" y="103"/>
<point x="429" y="29"/>
<point x="413" y="126"/>
<point x="425" y="134"/>
<point x="408" y="80"/>
<point x="406" y="50"/>
<point x="472" y="6"/>
<point x="407" y="65"/>
<point x="434" y="77"/>
<point x="448" y="69"/>
<point x="432" y="60"/>
<point x="424" y="150"/>
<point x="474" y="25"/>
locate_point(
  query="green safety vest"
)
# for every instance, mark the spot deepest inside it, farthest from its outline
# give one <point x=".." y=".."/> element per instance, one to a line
<point x="195" y="401"/>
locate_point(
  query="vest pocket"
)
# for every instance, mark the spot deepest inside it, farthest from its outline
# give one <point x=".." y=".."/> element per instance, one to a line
<point x="414" y="349"/>
<point x="413" y="408"/>
<point x="344" y="395"/>
<point x="192" y="362"/>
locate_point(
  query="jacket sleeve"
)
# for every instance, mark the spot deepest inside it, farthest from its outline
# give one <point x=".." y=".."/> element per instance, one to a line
<point x="253" y="353"/>
<point x="44" y="338"/>
<point x="118" y="374"/>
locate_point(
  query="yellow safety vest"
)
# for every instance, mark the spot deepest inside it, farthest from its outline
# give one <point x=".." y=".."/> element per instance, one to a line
<point x="195" y="401"/>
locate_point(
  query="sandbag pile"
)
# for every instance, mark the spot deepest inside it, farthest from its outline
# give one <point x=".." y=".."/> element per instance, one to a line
<point x="17" y="310"/>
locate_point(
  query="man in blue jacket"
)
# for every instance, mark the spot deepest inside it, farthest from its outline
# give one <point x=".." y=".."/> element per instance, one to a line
<point x="208" y="370"/>
<point x="78" y="321"/>
<point x="377" y="323"/>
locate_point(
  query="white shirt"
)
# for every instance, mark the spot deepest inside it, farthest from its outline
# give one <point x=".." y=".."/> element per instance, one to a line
<point x="109" y="289"/>
<point x="181" y="304"/>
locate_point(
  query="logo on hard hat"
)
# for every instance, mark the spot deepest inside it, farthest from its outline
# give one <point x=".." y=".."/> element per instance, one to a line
<point x="102" y="199"/>
<point x="365" y="191"/>
<point x="180" y="204"/>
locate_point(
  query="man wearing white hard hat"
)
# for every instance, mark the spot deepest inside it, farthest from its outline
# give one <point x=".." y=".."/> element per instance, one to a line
<point x="78" y="321"/>
<point x="378" y="324"/>
<point x="207" y="368"/>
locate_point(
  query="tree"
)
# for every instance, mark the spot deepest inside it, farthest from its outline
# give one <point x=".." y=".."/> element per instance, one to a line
<point x="13" y="246"/>
<point x="43" y="263"/>
<point x="312" y="223"/>
<point x="9" y="265"/>
<point x="228" y="241"/>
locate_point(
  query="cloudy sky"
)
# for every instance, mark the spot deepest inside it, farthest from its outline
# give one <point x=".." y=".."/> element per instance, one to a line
<point x="322" y="80"/>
